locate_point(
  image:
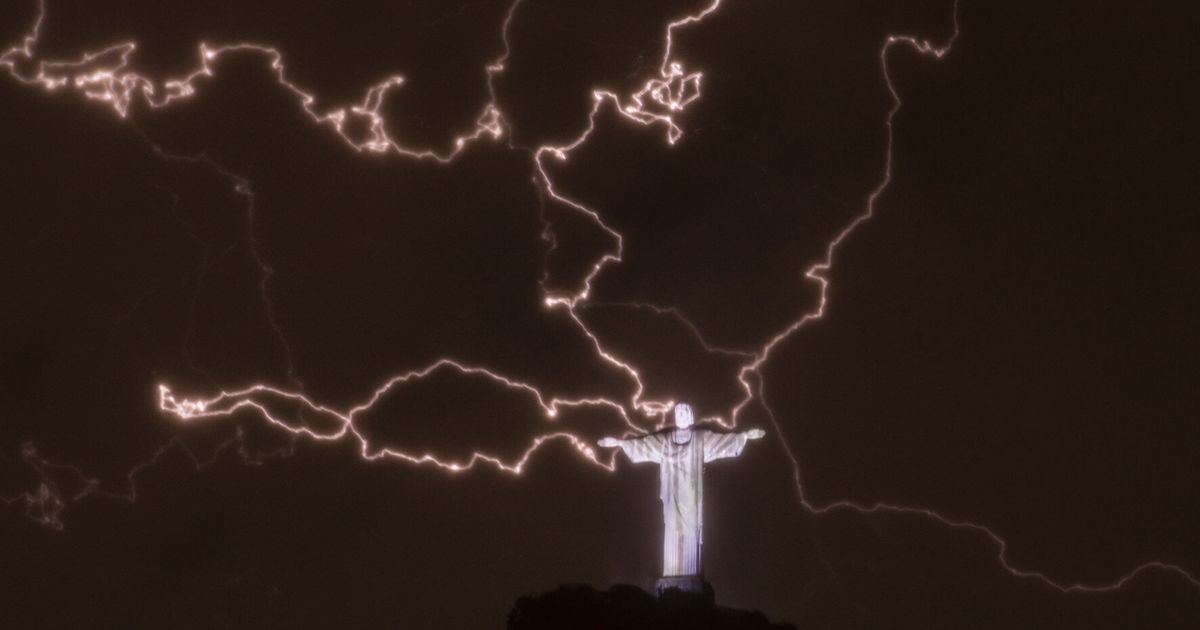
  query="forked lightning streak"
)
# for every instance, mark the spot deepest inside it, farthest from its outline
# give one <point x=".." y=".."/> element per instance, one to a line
<point x="107" y="76"/>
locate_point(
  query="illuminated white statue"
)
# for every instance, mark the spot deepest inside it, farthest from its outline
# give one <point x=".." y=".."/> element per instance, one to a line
<point x="681" y="453"/>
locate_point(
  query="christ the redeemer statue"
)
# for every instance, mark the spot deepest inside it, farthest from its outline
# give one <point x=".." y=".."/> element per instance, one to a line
<point x="681" y="453"/>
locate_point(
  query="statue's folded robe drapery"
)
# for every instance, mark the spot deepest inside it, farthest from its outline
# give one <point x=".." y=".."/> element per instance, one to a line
<point x="681" y="455"/>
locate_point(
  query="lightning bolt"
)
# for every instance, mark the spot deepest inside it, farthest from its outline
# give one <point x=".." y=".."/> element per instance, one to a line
<point x="59" y="485"/>
<point x="106" y="76"/>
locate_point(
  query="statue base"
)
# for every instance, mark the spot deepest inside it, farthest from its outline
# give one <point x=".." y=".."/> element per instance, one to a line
<point x="684" y="583"/>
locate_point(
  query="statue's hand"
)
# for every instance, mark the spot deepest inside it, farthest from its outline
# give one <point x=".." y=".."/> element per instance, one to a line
<point x="755" y="434"/>
<point x="609" y="442"/>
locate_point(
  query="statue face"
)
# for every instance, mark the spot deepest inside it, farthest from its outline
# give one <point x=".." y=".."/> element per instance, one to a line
<point x="683" y="415"/>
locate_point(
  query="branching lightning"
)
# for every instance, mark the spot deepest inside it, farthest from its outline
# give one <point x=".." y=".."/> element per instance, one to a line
<point x="107" y="76"/>
<point x="227" y="403"/>
<point x="60" y="484"/>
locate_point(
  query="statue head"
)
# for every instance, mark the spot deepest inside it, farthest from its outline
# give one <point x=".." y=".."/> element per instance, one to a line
<point x="683" y="415"/>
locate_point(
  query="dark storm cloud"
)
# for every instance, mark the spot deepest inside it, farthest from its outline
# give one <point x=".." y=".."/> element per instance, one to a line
<point x="1009" y="340"/>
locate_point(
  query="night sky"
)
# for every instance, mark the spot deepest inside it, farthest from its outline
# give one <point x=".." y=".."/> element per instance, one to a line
<point x="1009" y="340"/>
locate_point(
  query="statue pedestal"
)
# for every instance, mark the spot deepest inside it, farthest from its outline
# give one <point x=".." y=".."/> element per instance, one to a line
<point x="685" y="583"/>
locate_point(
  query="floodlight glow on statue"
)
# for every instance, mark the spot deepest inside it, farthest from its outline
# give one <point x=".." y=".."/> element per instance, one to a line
<point x="681" y="453"/>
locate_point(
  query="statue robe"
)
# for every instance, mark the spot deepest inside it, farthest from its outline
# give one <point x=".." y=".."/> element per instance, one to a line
<point x="681" y="455"/>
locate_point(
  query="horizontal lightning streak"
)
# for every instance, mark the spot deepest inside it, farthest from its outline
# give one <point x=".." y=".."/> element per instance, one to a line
<point x="45" y="503"/>
<point x="105" y="76"/>
<point x="998" y="541"/>
<point x="228" y="403"/>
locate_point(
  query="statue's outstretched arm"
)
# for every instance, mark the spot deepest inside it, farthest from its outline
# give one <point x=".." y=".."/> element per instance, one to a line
<point x="647" y="448"/>
<point x="722" y="445"/>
